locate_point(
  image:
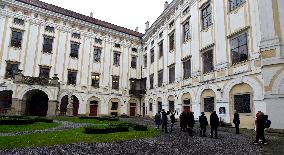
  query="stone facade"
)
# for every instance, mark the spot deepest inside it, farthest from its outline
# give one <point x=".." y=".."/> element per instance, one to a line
<point x="172" y="57"/>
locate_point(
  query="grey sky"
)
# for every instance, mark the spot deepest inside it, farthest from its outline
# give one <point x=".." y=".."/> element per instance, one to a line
<point x="126" y="13"/>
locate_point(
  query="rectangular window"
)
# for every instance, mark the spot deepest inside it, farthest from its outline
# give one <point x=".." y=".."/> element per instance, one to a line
<point x="44" y="72"/>
<point x="209" y="104"/>
<point x="187" y="69"/>
<point x="242" y="103"/>
<point x="116" y="58"/>
<point x="72" y="77"/>
<point x="161" y="34"/>
<point x="152" y="55"/>
<point x="233" y="4"/>
<point x="76" y="35"/>
<point x="97" y="54"/>
<point x="96" y="80"/>
<point x="19" y="21"/>
<point x="11" y="70"/>
<point x="186" y="31"/>
<point x="208" y="61"/>
<point x="206" y="16"/>
<point x="161" y="49"/>
<point x="171" y="106"/>
<point x="115" y="82"/>
<point x="171" y="24"/>
<point x="98" y="41"/>
<point x="16" y="40"/>
<point x="150" y="106"/>
<point x="172" y="41"/>
<point x="239" y="48"/>
<point x="172" y="74"/>
<point x="152" y="81"/>
<point x="160" y="78"/>
<point x="160" y="106"/>
<point x="134" y="62"/>
<point x="145" y="60"/>
<point x="74" y="50"/>
<point x="49" y="29"/>
<point x="117" y="45"/>
<point x="47" y="44"/>
<point x="114" y="106"/>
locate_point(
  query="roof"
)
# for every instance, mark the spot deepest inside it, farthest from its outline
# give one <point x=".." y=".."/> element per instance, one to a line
<point x="85" y="18"/>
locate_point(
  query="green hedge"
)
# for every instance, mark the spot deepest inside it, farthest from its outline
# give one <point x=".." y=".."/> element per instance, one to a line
<point x="105" y="118"/>
<point x="106" y="129"/>
<point x="22" y="120"/>
<point x="138" y="127"/>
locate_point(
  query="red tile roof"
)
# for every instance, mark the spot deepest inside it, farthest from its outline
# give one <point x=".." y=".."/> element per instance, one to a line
<point x="73" y="14"/>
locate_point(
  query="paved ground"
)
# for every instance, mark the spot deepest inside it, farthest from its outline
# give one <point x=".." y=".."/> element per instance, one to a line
<point x="177" y="143"/>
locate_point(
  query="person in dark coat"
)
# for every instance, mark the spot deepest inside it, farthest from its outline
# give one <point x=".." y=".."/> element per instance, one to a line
<point x="190" y="123"/>
<point x="158" y="120"/>
<point x="173" y="120"/>
<point x="203" y="124"/>
<point x="165" y="121"/>
<point x="260" y="126"/>
<point x="214" y="123"/>
<point x="237" y="122"/>
<point x="182" y="118"/>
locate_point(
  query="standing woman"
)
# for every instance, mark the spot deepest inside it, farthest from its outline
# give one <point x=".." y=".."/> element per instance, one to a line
<point x="237" y="122"/>
<point x="158" y="120"/>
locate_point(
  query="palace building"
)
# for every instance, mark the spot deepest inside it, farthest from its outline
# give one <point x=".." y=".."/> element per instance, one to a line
<point x="199" y="55"/>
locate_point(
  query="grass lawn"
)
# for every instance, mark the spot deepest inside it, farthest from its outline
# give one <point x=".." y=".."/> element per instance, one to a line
<point x="72" y="135"/>
<point x="28" y="127"/>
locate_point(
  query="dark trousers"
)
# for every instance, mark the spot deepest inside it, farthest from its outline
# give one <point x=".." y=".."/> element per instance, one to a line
<point x="165" y="127"/>
<point x="260" y="135"/>
<point x="214" y="129"/>
<point x="237" y="126"/>
<point x="172" y="125"/>
<point x="203" y="131"/>
<point x="190" y="131"/>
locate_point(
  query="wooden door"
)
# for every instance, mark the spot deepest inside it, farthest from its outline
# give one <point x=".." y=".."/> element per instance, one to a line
<point x="93" y="110"/>
<point x="132" y="109"/>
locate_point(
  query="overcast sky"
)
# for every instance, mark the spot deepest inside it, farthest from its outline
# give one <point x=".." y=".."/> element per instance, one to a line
<point x="126" y="13"/>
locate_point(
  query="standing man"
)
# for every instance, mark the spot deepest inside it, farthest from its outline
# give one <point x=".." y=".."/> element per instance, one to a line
<point x="214" y="122"/>
<point x="260" y="126"/>
<point x="164" y="121"/>
<point x="237" y="122"/>
<point x="158" y="120"/>
<point x="191" y="123"/>
<point x="203" y="123"/>
<point x="173" y="120"/>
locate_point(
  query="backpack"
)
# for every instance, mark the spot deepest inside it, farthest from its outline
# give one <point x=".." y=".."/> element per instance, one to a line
<point x="267" y="124"/>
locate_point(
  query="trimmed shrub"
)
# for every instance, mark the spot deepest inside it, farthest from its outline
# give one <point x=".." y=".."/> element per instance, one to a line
<point x="138" y="127"/>
<point x="106" y="129"/>
<point x="22" y="120"/>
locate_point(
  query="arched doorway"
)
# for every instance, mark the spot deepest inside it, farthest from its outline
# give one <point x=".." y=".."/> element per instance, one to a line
<point x="132" y="107"/>
<point x="171" y="100"/>
<point x="93" y="105"/>
<point x="36" y="103"/>
<point x="5" y="101"/>
<point x="65" y="102"/>
<point x="208" y="102"/>
<point x="186" y="102"/>
<point x="241" y="100"/>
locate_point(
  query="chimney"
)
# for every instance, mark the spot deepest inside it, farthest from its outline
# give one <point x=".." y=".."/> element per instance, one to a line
<point x="92" y="14"/>
<point x="136" y="29"/>
<point x="166" y="5"/>
<point x="147" y="26"/>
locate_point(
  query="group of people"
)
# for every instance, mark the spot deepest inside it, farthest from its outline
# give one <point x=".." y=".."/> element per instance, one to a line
<point x="187" y="123"/>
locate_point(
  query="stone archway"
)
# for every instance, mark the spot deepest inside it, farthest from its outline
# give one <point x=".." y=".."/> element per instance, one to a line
<point x="186" y="102"/>
<point x="241" y="100"/>
<point x="36" y="102"/>
<point x="64" y="105"/>
<point x="5" y="101"/>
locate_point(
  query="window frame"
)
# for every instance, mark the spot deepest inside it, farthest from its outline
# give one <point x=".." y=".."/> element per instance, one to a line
<point x="95" y="79"/>
<point x="160" y="78"/>
<point x="134" y="63"/>
<point x="47" y="48"/>
<point x="16" y="41"/>
<point x="13" y="73"/>
<point x="116" y="58"/>
<point x="188" y="75"/>
<point x="172" y="75"/>
<point x="115" y="82"/>
<point x="19" y="21"/>
<point x="236" y="6"/>
<point x="151" y="78"/>
<point x="204" y="71"/>
<point x="145" y="61"/>
<point x="172" y="41"/>
<point x="214" y="100"/>
<point x="238" y="48"/>
<point x="250" y="104"/>
<point x="161" y="49"/>
<point x="74" y="49"/>
<point x="186" y="32"/>
<point x="41" y="72"/>
<point x="97" y="54"/>
<point x="72" y="81"/>
<point x="206" y="17"/>
<point x="49" y="29"/>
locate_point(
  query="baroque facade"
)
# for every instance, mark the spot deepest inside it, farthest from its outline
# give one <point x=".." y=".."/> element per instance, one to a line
<point x="199" y="55"/>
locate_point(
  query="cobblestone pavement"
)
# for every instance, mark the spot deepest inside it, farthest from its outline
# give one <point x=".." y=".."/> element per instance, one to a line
<point x="177" y="143"/>
<point x="63" y="126"/>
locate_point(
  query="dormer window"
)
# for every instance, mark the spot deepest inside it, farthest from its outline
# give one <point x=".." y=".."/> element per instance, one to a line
<point x="117" y="45"/>
<point x="49" y="29"/>
<point x="19" y="21"/>
<point x="98" y="41"/>
<point x="171" y="24"/>
<point x="76" y="35"/>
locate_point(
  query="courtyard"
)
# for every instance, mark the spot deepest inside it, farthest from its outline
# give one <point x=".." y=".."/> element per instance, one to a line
<point x="66" y="136"/>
